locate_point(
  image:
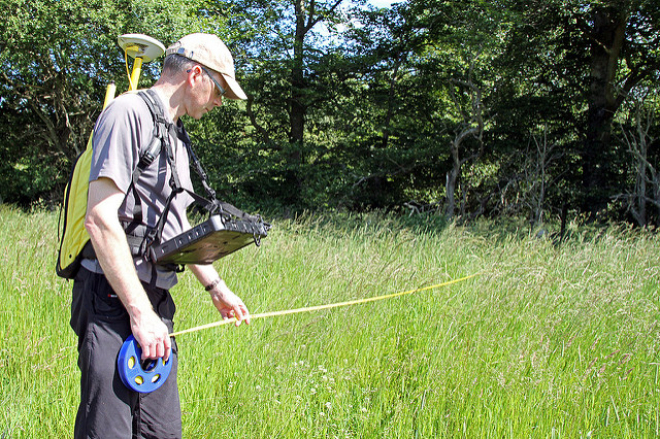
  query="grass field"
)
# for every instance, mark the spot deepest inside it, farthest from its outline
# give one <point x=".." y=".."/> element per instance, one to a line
<point x="546" y="342"/>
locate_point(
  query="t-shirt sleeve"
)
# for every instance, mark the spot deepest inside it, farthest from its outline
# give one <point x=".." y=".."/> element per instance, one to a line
<point x="118" y="137"/>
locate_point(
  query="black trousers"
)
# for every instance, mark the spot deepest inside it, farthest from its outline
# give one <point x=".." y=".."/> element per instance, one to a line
<point x="109" y="409"/>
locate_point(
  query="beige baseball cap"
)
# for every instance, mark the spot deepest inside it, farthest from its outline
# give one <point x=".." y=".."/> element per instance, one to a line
<point x="211" y="52"/>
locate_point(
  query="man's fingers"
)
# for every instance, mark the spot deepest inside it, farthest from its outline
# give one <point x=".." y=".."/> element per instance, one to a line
<point x="246" y="316"/>
<point x="146" y="352"/>
<point x="168" y="349"/>
<point x="160" y="349"/>
<point x="157" y="349"/>
<point x="242" y="315"/>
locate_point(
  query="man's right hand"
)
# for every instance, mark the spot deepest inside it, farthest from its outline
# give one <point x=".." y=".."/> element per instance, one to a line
<point x="151" y="334"/>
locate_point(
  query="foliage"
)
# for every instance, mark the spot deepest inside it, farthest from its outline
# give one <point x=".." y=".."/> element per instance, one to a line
<point x="56" y="58"/>
<point x="586" y="58"/>
<point x="476" y="108"/>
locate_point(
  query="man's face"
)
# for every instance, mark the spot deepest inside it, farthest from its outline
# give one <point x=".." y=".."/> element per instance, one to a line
<point x="207" y="91"/>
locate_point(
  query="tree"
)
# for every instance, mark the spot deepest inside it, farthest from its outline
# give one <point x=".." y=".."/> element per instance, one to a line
<point x="56" y="58"/>
<point x="640" y="139"/>
<point x="286" y="56"/>
<point x="296" y="75"/>
<point x="602" y="51"/>
<point x="454" y="49"/>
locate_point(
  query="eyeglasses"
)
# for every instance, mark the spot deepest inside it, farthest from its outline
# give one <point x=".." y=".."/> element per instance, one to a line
<point x="217" y="84"/>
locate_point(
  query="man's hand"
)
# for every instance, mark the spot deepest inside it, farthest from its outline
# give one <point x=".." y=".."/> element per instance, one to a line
<point x="229" y="304"/>
<point x="151" y="334"/>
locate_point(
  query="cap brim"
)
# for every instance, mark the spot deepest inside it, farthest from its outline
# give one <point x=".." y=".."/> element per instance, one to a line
<point x="235" y="91"/>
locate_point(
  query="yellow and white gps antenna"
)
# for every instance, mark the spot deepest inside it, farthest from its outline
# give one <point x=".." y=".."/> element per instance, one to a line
<point x="142" y="49"/>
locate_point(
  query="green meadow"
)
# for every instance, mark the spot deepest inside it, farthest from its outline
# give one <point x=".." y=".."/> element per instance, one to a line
<point x="547" y="341"/>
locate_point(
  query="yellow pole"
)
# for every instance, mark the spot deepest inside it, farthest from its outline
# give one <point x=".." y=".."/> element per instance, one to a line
<point x="109" y="94"/>
<point x="135" y="76"/>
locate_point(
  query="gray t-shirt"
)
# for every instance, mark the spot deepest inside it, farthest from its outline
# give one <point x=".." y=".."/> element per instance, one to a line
<point x="124" y="130"/>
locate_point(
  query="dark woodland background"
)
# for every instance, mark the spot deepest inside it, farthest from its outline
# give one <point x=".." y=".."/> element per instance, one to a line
<point x="461" y="109"/>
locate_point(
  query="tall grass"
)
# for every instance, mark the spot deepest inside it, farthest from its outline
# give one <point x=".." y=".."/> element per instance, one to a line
<point x="547" y="342"/>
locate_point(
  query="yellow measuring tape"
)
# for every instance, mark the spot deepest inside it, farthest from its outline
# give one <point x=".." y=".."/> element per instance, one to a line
<point x="321" y="307"/>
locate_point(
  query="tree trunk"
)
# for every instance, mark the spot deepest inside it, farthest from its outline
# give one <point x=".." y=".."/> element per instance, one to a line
<point x="607" y="38"/>
<point x="390" y="99"/>
<point x="473" y="126"/>
<point x="640" y="187"/>
<point x="450" y="187"/>
<point x="297" y="107"/>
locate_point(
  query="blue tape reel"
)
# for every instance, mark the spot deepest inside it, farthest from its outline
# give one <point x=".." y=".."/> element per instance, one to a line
<point x="142" y="378"/>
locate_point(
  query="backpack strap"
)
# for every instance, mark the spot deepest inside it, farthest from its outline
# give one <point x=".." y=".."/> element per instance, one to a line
<point x="148" y="156"/>
<point x="162" y="141"/>
<point x="210" y="203"/>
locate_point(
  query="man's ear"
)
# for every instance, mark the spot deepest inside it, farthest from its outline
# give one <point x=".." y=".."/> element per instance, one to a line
<point x="194" y="75"/>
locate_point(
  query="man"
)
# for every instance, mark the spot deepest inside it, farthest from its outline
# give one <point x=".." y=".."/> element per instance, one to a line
<point x="118" y="294"/>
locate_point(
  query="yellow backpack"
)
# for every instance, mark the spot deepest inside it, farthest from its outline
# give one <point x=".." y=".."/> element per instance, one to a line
<point x="75" y="243"/>
<point x="74" y="236"/>
<point x="72" y="233"/>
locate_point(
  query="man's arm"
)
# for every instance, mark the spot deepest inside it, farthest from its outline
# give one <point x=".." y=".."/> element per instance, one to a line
<point x="114" y="255"/>
<point x="228" y="304"/>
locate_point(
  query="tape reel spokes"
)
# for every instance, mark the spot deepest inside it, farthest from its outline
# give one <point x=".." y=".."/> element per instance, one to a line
<point x="141" y="377"/>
